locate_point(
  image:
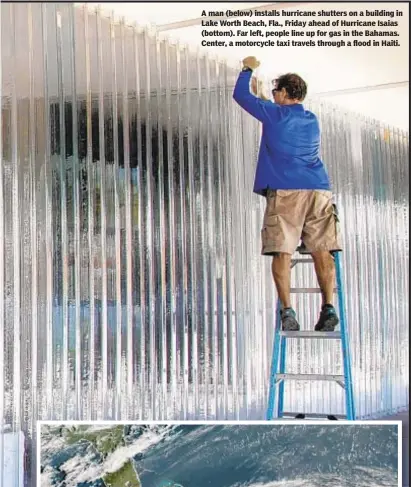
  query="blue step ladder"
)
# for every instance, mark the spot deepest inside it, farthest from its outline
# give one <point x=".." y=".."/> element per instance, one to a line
<point x="278" y="372"/>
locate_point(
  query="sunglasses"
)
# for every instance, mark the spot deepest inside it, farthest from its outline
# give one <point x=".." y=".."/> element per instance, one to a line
<point x="275" y="89"/>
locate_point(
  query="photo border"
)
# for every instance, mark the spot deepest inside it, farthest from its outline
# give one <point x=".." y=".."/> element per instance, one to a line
<point x="398" y="423"/>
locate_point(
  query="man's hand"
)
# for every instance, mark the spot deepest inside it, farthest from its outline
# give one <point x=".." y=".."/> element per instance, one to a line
<point x="251" y="62"/>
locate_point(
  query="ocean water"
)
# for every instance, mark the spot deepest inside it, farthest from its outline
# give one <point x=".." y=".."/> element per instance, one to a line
<point x="230" y="456"/>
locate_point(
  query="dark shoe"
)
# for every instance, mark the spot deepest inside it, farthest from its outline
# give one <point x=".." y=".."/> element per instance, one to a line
<point x="328" y="319"/>
<point x="288" y="320"/>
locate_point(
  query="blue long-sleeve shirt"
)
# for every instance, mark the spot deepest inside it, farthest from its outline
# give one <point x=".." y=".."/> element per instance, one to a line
<point x="290" y="143"/>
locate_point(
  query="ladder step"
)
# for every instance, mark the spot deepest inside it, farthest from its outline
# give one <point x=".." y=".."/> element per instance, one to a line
<point x="300" y="290"/>
<point x="311" y="334"/>
<point x="331" y="377"/>
<point x="315" y="416"/>
<point x="302" y="250"/>
<point x="302" y="261"/>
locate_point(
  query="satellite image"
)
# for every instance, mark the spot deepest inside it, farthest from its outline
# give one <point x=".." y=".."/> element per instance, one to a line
<point x="218" y="455"/>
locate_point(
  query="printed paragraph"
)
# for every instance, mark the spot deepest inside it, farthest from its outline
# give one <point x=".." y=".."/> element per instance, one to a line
<point x="371" y="27"/>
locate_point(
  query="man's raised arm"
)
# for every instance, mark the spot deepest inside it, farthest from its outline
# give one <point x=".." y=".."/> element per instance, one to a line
<point x="255" y="106"/>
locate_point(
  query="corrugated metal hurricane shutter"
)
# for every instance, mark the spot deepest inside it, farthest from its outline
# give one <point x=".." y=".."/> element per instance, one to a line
<point x="131" y="281"/>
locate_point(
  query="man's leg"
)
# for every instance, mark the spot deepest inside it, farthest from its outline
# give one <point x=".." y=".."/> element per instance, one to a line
<point x="282" y="227"/>
<point x="281" y="269"/>
<point x="325" y="270"/>
<point x="320" y="235"/>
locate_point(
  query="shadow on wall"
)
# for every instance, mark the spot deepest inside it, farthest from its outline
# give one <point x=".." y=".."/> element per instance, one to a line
<point x="138" y="131"/>
<point x="174" y="173"/>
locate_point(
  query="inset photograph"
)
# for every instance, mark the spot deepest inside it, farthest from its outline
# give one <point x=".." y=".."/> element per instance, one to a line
<point x="218" y="455"/>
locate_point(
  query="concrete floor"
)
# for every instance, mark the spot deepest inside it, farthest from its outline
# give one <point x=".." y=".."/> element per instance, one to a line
<point x="405" y="418"/>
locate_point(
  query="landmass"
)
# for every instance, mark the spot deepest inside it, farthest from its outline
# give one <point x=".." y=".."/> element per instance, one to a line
<point x="126" y="476"/>
<point x="105" y="441"/>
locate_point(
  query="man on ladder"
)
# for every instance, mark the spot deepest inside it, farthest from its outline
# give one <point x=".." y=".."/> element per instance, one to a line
<point x="292" y="177"/>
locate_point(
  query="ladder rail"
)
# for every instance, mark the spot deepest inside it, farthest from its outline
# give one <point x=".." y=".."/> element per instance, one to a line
<point x="274" y="367"/>
<point x="349" y="395"/>
<point x="283" y="348"/>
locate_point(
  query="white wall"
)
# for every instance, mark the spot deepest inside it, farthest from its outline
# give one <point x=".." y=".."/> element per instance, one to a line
<point x="325" y="69"/>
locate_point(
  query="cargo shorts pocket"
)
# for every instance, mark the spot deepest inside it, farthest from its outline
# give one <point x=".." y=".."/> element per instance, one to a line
<point x="271" y="230"/>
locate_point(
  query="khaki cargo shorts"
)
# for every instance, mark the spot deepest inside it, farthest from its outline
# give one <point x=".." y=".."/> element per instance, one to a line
<point x="294" y="215"/>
